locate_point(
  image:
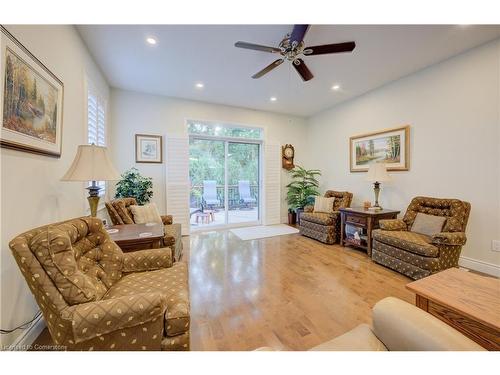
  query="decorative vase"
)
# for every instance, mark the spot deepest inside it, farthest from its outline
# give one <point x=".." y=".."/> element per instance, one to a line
<point x="292" y="216"/>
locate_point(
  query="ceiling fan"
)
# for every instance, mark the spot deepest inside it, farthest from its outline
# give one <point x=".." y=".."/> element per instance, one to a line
<point x="291" y="47"/>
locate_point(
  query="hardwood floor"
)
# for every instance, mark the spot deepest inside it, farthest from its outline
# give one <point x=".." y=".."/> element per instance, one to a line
<point x="287" y="292"/>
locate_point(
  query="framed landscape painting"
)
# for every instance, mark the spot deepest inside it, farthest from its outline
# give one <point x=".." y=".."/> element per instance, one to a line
<point x="390" y="146"/>
<point x="148" y="148"/>
<point x="31" y="101"/>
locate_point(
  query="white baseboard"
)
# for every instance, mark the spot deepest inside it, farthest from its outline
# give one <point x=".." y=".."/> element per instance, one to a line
<point x="479" y="265"/>
<point x="29" y="335"/>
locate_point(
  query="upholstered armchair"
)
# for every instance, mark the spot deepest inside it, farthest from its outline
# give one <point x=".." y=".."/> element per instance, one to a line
<point x="120" y="214"/>
<point x="325" y="227"/>
<point x="94" y="297"/>
<point x="417" y="255"/>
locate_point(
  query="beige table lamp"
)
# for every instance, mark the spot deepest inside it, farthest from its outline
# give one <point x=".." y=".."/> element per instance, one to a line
<point x="377" y="173"/>
<point x="92" y="163"/>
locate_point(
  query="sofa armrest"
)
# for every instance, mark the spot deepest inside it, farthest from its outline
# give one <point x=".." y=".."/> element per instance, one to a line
<point x="449" y="238"/>
<point x="403" y="326"/>
<point x="392" y="224"/>
<point x="167" y="219"/>
<point x="93" y="319"/>
<point x="147" y="260"/>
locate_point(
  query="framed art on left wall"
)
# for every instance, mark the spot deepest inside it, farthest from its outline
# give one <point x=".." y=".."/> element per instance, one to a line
<point x="31" y="101"/>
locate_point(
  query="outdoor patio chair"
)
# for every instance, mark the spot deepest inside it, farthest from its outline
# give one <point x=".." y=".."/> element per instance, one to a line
<point x="210" y="194"/>
<point x="244" y="191"/>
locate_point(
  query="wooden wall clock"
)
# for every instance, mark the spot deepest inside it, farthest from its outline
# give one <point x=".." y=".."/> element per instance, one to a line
<point x="287" y="155"/>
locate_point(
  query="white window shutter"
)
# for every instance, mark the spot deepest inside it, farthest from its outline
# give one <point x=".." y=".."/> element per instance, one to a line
<point x="177" y="183"/>
<point x="272" y="184"/>
<point x="96" y="124"/>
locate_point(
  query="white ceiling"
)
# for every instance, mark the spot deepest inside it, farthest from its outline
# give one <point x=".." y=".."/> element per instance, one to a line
<point x="186" y="54"/>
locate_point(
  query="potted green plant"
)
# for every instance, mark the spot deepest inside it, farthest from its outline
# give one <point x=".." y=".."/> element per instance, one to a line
<point x="134" y="185"/>
<point x="302" y="189"/>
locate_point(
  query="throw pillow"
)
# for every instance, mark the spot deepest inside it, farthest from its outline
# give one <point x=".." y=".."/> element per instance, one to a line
<point x="322" y="204"/>
<point x="145" y="214"/>
<point x="428" y="224"/>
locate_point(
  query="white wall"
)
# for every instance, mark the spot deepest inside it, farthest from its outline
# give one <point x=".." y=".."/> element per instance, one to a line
<point x="32" y="194"/>
<point x="453" y="110"/>
<point x="133" y="113"/>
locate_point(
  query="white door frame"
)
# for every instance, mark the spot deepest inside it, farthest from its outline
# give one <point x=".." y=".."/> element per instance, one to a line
<point x="226" y="141"/>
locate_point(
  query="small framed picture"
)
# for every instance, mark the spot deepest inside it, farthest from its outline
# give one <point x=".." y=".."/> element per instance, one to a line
<point x="148" y="148"/>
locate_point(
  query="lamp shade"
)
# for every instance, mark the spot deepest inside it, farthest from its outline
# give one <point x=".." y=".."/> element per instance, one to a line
<point x="91" y="163"/>
<point x="377" y="173"/>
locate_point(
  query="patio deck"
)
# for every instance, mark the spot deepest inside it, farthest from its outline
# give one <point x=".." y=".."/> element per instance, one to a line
<point x="241" y="215"/>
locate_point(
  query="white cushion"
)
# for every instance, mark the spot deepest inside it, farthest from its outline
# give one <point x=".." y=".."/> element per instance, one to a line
<point x="145" y="214"/>
<point x="322" y="204"/>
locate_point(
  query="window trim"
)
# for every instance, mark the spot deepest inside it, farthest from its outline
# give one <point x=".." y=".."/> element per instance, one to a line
<point x="91" y="88"/>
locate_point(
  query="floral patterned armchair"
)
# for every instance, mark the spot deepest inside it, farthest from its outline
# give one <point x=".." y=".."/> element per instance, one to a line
<point x="120" y="213"/>
<point x="94" y="297"/>
<point x="325" y="227"/>
<point x="418" y="255"/>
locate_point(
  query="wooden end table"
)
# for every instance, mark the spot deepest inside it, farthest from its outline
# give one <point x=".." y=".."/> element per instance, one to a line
<point x="362" y="218"/>
<point x="130" y="236"/>
<point x="468" y="302"/>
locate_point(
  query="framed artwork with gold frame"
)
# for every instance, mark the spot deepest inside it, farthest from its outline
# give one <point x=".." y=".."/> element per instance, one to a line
<point x="390" y="146"/>
<point x="148" y="148"/>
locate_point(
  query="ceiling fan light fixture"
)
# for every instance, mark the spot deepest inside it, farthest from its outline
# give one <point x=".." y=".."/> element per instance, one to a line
<point x="336" y="87"/>
<point x="151" y="41"/>
<point x="273" y="98"/>
<point x="199" y="85"/>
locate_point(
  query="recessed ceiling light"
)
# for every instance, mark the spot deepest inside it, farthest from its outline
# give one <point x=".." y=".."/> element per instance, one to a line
<point x="151" y="41"/>
<point x="336" y="87"/>
<point x="199" y="85"/>
<point x="273" y="98"/>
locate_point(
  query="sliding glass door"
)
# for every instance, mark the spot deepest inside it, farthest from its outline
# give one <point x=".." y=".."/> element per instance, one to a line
<point x="243" y="182"/>
<point x="225" y="181"/>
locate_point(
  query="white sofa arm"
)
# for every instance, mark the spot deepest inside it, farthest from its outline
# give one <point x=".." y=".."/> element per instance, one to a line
<point x="403" y="326"/>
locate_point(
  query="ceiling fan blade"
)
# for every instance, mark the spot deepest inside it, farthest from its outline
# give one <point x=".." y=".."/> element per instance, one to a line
<point x="268" y="68"/>
<point x="257" y="47"/>
<point x="298" y="33"/>
<point x="329" y="48"/>
<point x="302" y="69"/>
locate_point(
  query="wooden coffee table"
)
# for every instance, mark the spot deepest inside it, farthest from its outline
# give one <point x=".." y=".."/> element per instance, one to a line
<point x="362" y="218"/>
<point x="132" y="237"/>
<point x="468" y="302"/>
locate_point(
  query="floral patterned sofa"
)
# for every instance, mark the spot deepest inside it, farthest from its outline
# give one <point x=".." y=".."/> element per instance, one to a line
<point x="94" y="297"/>
<point x="417" y="255"/>
<point x="325" y="227"/>
<point x="119" y="213"/>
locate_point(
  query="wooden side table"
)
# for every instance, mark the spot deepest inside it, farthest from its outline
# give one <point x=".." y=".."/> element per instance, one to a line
<point x="131" y="237"/>
<point x="468" y="302"/>
<point x="365" y="219"/>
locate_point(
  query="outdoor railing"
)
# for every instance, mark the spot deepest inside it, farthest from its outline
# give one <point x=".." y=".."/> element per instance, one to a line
<point x="234" y="201"/>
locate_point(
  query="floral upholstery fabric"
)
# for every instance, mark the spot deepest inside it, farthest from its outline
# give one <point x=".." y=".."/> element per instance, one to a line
<point x="449" y="238"/>
<point x="147" y="260"/>
<point x="172" y="282"/>
<point x="416" y="255"/>
<point x="120" y="213"/>
<point x="410" y="241"/>
<point x="73" y="269"/>
<point x="455" y="211"/>
<point x="173" y="240"/>
<point x="392" y="224"/>
<point x="325" y="227"/>
<point x="320" y="217"/>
